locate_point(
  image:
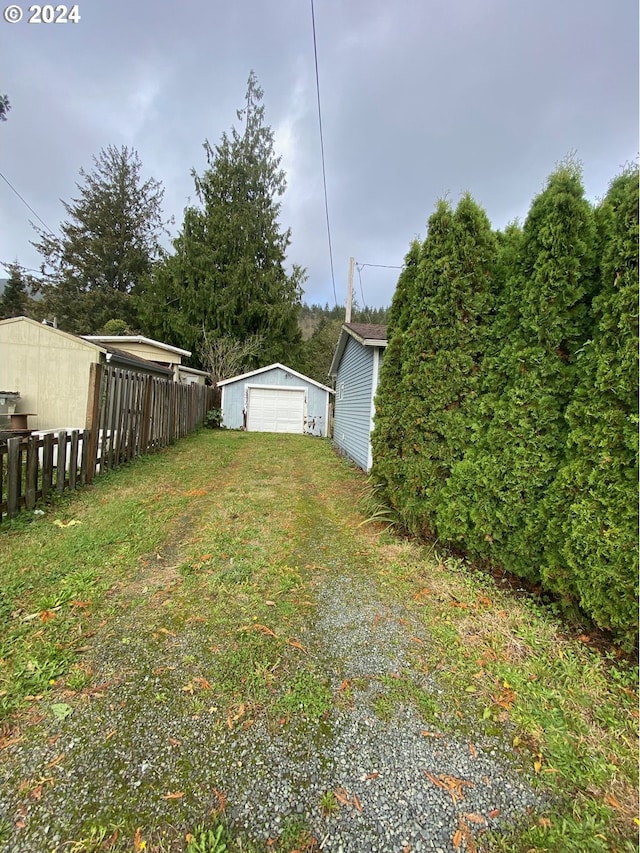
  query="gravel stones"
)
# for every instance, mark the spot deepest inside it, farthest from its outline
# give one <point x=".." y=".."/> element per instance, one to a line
<point x="395" y="789"/>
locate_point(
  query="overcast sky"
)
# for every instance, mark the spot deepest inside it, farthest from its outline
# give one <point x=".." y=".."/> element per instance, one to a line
<point x="420" y="99"/>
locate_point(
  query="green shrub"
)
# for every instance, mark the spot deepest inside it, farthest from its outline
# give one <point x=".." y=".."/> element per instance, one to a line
<point x="593" y="500"/>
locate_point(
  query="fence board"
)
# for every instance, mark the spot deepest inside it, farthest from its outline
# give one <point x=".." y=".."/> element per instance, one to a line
<point x="128" y="414"/>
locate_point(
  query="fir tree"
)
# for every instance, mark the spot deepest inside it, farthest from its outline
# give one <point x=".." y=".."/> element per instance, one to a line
<point x="108" y="244"/>
<point x="14" y="301"/>
<point x="227" y="275"/>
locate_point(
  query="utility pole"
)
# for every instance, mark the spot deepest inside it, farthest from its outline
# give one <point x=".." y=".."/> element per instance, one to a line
<point x="347" y="315"/>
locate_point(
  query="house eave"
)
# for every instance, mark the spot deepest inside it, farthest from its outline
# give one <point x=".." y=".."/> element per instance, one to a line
<point x="136" y="339"/>
<point x="277" y="364"/>
<point x="345" y="334"/>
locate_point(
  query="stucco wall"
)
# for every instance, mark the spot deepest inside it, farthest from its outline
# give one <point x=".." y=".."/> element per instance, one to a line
<point x="50" y="369"/>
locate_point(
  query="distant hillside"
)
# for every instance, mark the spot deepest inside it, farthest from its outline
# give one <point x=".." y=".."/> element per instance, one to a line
<point x="311" y="316"/>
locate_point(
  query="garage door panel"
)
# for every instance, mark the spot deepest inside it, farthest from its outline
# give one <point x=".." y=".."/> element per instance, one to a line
<point x="275" y="410"/>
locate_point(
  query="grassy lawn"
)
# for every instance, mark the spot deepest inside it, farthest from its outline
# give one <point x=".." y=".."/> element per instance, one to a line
<point x="212" y="550"/>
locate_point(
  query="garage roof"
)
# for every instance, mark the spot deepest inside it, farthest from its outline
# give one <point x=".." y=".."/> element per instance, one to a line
<point x="272" y="367"/>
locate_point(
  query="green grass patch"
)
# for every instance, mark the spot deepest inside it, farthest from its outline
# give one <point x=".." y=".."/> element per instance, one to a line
<point x="193" y="571"/>
<point x="401" y="691"/>
<point x="566" y="705"/>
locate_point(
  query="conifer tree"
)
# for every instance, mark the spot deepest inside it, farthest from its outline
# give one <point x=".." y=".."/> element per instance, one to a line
<point x="14" y="301"/>
<point x="227" y="274"/>
<point x="387" y="436"/>
<point x="107" y="245"/>
<point x="593" y="555"/>
<point x="444" y="346"/>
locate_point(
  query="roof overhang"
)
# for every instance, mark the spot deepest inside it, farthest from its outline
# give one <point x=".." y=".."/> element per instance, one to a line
<point x="136" y="339"/>
<point x="272" y="367"/>
<point x="345" y="334"/>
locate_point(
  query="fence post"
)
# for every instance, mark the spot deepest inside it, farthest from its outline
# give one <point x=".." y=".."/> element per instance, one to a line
<point x="84" y="465"/>
<point x="13" y="475"/>
<point x="73" y="459"/>
<point x="32" y="472"/>
<point x="47" y="465"/>
<point x="93" y="419"/>
<point x="61" y="461"/>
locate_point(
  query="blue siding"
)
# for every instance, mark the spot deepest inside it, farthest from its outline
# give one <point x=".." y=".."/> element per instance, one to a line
<point x="353" y="407"/>
<point x="316" y="399"/>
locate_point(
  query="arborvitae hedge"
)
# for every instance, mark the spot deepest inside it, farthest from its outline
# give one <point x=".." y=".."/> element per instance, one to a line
<point x="388" y="436"/>
<point x="511" y="400"/>
<point x="594" y="500"/>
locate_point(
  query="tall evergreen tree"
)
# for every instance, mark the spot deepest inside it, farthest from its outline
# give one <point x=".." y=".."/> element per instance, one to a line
<point x="107" y="245"/>
<point x="443" y="347"/>
<point x="14" y="301"/>
<point x="592" y="507"/>
<point x="506" y="474"/>
<point x="317" y="352"/>
<point x="228" y="274"/>
<point x="387" y="440"/>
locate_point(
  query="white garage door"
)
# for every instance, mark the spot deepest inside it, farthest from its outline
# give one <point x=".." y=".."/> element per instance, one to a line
<point x="275" y="410"/>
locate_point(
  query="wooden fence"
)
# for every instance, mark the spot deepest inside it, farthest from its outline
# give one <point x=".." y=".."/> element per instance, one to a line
<point x="128" y="414"/>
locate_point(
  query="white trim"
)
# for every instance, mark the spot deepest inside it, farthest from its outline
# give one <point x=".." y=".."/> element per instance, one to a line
<point x="345" y="334"/>
<point x="277" y="387"/>
<point x="275" y="366"/>
<point x="135" y="339"/>
<point x="326" y="418"/>
<point x="192" y="370"/>
<point x="374" y="388"/>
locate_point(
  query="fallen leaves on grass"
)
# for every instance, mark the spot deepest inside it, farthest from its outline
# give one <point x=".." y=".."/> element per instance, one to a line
<point x="72" y="523"/>
<point x="6" y="742"/>
<point x="233" y="718"/>
<point x="173" y="795"/>
<point x="263" y="629"/>
<point x="296" y="645"/>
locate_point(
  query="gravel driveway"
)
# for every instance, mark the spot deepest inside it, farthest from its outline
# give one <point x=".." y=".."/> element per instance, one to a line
<point x="400" y="786"/>
<point x="365" y="776"/>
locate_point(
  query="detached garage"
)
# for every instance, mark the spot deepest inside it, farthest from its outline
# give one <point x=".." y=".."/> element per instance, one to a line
<point x="275" y="399"/>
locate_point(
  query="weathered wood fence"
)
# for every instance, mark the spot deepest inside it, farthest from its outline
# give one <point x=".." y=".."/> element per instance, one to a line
<point x="128" y="414"/>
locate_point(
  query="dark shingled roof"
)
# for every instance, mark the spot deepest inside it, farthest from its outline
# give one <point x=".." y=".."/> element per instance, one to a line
<point x="369" y="331"/>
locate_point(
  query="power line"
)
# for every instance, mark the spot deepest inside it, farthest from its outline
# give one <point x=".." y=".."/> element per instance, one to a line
<point x="381" y="266"/>
<point x="27" y="204"/>
<point x="358" y="267"/>
<point x="324" y="172"/>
